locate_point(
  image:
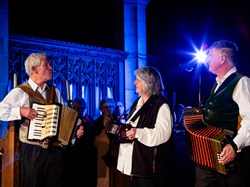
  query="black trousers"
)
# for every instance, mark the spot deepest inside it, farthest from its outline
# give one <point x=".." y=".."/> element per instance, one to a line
<point x="41" y="167"/>
<point x="238" y="177"/>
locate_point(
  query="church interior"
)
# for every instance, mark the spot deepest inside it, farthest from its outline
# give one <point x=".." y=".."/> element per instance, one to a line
<point x="96" y="46"/>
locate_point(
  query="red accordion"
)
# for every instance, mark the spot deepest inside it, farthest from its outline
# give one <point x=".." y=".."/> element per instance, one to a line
<point x="205" y="142"/>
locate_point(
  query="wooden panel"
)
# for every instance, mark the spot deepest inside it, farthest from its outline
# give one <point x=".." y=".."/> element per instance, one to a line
<point x="10" y="158"/>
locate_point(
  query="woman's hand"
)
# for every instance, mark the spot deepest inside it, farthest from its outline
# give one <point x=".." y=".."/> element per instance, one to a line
<point x="131" y="133"/>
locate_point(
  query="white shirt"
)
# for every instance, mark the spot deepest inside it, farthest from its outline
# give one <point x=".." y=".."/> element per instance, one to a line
<point x="241" y="96"/>
<point x="149" y="137"/>
<point x="16" y="98"/>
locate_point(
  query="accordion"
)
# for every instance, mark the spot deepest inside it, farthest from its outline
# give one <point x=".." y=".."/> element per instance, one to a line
<point x="116" y="131"/>
<point x="54" y="122"/>
<point x="205" y="142"/>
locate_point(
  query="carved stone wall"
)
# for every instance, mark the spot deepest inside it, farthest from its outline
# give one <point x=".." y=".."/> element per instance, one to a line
<point x="92" y="72"/>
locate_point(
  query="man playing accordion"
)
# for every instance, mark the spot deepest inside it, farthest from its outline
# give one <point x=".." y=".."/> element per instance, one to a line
<point x="228" y="100"/>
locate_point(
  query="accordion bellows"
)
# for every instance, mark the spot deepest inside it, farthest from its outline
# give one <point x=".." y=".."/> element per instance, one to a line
<point x="54" y="121"/>
<point x="205" y="142"/>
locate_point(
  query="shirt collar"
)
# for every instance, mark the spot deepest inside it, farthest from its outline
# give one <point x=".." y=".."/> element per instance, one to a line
<point x="230" y="72"/>
<point x="34" y="86"/>
<point x="140" y="102"/>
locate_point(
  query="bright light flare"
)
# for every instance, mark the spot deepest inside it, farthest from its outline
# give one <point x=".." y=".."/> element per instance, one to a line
<point x="197" y="58"/>
<point x="201" y="56"/>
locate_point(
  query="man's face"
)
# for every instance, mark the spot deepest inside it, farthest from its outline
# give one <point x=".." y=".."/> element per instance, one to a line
<point x="44" y="71"/>
<point x="107" y="108"/>
<point x="120" y="107"/>
<point x="214" y="60"/>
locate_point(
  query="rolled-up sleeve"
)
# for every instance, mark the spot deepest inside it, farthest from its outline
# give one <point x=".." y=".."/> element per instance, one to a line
<point x="10" y="105"/>
<point x="241" y="97"/>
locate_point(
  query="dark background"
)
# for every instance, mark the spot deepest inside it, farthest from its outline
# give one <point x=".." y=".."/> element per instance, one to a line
<point x="174" y="30"/>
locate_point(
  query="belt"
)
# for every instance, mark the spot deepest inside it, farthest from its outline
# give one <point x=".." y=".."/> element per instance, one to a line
<point x="44" y="142"/>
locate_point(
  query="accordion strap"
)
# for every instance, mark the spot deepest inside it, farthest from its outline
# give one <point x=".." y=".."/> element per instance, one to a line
<point x="38" y="95"/>
<point x="51" y="96"/>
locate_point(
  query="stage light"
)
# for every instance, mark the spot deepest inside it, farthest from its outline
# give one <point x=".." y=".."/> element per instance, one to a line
<point x="201" y="56"/>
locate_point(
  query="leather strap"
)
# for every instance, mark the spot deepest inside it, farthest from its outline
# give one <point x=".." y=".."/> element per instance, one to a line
<point x="39" y="96"/>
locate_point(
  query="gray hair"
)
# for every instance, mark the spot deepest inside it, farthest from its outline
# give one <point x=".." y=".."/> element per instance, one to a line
<point x="33" y="60"/>
<point x="151" y="80"/>
<point x="228" y="48"/>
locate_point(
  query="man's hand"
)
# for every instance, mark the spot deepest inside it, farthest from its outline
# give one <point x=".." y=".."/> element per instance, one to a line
<point x="80" y="131"/>
<point x="227" y="155"/>
<point x="27" y="112"/>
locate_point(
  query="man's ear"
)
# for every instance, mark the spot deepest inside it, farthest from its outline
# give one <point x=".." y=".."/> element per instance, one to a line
<point x="33" y="68"/>
<point x="223" y="59"/>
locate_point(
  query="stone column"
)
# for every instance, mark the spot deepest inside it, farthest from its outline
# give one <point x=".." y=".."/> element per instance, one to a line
<point x="134" y="44"/>
<point x="3" y="47"/>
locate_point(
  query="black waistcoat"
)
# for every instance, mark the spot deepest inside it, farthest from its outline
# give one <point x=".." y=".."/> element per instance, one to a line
<point x="220" y="108"/>
<point x="151" y="161"/>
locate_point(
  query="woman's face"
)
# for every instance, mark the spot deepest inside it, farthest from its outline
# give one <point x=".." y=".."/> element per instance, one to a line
<point x="139" y="86"/>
